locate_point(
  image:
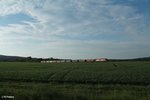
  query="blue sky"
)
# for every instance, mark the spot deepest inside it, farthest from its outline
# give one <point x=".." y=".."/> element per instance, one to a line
<point x="75" y="28"/>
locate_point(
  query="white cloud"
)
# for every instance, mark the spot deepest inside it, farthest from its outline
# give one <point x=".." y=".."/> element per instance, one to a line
<point x="55" y="17"/>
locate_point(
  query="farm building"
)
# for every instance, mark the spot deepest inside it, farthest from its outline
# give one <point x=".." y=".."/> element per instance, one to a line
<point x="101" y="59"/>
<point x="57" y="61"/>
<point x="80" y="60"/>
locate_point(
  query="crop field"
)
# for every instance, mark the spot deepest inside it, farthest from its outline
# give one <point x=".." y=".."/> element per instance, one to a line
<point x="126" y="80"/>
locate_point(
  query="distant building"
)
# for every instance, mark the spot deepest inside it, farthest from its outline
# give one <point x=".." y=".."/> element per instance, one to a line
<point x="56" y="61"/>
<point x="78" y="60"/>
<point x="101" y="59"/>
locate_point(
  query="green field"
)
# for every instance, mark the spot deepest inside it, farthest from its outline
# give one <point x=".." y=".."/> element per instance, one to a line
<point x="76" y="81"/>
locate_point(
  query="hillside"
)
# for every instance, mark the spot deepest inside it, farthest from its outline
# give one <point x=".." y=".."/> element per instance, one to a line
<point x="18" y="59"/>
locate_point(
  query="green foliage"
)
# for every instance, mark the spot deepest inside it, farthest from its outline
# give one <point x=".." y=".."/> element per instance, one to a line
<point x="54" y="91"/>
<point x="97" y="72"/>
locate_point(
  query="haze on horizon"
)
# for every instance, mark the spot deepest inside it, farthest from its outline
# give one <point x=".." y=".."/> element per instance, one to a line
<point x="75" y="28"/>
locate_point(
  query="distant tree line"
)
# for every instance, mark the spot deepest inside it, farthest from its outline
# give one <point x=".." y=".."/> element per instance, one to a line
<point x="31" y="59"/>
<point x="23" y="59"/>
<point x="135" y="59"/>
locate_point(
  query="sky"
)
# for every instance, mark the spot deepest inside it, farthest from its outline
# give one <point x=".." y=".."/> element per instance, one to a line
<point x="75" y="28"/>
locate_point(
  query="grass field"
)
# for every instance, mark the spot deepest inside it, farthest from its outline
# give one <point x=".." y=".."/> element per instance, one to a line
<point x="76" y="81"/>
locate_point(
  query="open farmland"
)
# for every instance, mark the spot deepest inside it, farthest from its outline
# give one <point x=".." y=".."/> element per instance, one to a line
<point x="104" y="72"/>
<point x="76" y="81"/>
